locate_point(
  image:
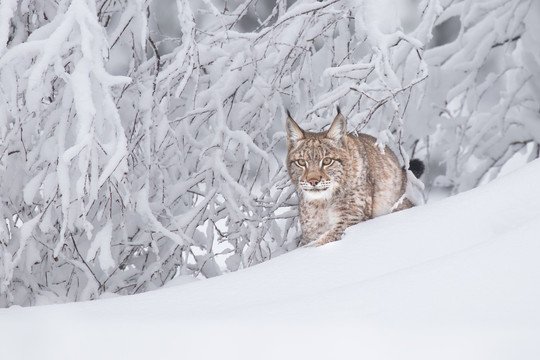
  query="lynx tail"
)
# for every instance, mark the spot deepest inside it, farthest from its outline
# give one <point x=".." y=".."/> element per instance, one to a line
<point x="417" y="167"/>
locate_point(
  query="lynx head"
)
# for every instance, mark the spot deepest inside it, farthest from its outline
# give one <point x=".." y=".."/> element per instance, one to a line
<point x="316" y="161"/>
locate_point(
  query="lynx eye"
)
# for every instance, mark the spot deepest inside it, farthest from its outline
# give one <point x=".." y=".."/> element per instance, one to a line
<point x="327" y="161"/>
<point x="301" y="162"/>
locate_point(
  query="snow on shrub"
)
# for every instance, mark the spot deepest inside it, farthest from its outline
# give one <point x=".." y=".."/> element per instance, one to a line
<point x="141" y="141"/>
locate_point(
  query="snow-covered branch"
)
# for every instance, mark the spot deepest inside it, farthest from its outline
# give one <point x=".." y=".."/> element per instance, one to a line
<point x="142" y="141"/>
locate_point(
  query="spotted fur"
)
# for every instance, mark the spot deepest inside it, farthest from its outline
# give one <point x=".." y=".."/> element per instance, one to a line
<point x="341" y="179"/>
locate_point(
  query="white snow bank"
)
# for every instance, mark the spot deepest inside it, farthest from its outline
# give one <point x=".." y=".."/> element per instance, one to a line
<point x="457" y="279"/>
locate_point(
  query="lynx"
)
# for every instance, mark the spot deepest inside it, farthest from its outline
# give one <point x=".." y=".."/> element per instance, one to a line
<point x="342" y="179"/>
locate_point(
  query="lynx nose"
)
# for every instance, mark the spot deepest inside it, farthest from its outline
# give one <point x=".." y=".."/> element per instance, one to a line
<point x="314" y="181"/>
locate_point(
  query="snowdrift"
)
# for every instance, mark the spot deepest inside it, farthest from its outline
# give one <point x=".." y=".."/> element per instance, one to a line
<point x="456" y="279"/>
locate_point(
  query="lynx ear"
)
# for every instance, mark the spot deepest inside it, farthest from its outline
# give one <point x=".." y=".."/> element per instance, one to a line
<point x="294" y="132"/>
<point x="338" y="130"/>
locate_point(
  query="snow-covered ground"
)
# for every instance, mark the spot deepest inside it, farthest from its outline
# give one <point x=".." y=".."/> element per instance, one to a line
<point x="455" y="279"/>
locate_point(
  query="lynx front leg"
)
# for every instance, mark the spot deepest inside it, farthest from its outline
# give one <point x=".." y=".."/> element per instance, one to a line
<point x="326" y="238"/>
<point x="337" y="231"/>
<point x="322" y="239"/>
<point x="328" y="224"/>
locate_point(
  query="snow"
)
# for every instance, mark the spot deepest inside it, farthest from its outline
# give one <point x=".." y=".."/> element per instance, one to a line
<point x="454" y="279"/>
<point x="102" y="243"/>
<point x="182" y="102"/>
<point x="7" y="9"/>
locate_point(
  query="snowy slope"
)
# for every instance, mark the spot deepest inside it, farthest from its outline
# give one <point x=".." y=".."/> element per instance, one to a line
<point x="457" y="279"/>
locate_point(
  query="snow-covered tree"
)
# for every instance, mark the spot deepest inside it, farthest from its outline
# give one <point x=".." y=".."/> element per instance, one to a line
<point x="481" y="103"/>
<point x="144" y="140"/>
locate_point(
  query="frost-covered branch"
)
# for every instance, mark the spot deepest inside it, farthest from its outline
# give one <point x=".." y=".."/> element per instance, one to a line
<point x="139" y="144"/>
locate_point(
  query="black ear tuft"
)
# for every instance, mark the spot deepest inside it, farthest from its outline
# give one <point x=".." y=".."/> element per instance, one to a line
<point x="417" y="167"/>
<point x="338" y="109"/>
<point x="288" y="113"/>
<point x="338" y="130"/>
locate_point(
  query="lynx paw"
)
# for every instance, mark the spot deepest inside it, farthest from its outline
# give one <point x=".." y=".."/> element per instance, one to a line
<point x="325" y="239"/>
<point x="313" y="244"/>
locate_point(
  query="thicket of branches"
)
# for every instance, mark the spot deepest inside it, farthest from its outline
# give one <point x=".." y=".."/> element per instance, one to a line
<point x="137" y="146"/>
